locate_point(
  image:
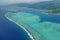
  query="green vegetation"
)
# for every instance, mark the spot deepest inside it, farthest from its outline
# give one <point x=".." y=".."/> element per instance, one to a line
<point x="53" y="6"/>
<point x="55" y="11"/>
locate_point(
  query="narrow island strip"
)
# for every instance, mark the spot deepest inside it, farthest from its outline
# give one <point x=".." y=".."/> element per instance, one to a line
<point x="34" y="35"/>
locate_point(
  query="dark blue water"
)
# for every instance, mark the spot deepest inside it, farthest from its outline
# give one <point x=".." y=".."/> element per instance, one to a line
<point x="9" y="30"/>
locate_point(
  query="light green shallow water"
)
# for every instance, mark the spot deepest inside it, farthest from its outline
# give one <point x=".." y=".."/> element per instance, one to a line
<point x="39" y="30"/>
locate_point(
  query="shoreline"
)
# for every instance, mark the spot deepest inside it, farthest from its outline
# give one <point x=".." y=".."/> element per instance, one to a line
<point x="28" y="33"/>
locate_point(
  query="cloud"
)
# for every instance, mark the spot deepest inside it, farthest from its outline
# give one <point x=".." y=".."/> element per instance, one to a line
<point x="19" y="1"/>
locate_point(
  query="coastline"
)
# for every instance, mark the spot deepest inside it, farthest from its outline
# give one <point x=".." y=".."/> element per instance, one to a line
<point x="22" y="28"/>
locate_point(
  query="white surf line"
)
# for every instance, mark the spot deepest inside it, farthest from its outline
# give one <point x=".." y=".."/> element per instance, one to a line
<point x="21" y="27"/>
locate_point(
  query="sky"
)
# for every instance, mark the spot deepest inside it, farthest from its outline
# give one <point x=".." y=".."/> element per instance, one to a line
<point x="19" y="1"/>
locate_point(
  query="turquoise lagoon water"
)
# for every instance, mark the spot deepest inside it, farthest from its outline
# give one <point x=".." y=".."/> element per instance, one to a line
<point x="49" y="29"/>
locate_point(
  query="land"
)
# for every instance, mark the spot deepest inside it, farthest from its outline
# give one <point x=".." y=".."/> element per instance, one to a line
<point x="55" y="11"/>
<point x="45" y="5"/>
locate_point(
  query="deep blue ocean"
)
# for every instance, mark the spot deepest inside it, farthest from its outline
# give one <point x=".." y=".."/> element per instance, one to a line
<point x="11" y="31"/>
